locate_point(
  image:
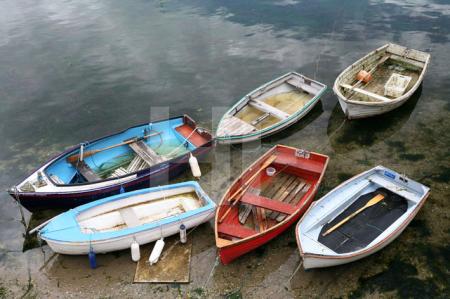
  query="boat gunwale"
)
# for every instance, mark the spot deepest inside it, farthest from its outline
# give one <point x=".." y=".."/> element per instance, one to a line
<point x="124" y="236"/>
<point x="367" y="249"/>
<point x="281" y="223"/>
<point x="279" y="123"/>
<point x="405" y="96"/>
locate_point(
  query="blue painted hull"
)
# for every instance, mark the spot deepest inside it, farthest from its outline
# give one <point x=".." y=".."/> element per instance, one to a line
<point x="66" y="235"/>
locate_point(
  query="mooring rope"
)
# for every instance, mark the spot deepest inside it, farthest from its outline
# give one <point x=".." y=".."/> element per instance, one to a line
<point x="19" y="204"/>
<point x="183" y="142"/>
<point x="295" y="271"/>
<point x="187" y="234"/>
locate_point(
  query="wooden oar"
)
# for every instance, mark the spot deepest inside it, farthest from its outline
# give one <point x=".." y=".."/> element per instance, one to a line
<point x="370" y="203"/>
<point x="74" y="158"/>
<point x="238" y="194"/>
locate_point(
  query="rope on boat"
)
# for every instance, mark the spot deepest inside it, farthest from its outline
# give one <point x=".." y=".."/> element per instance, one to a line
<point x="184" y="141"/>
<point x="19" y="204"/>
<point x="187" y="234"/>
<point x="295" y="272"/>
<point x="47" y="261"/>
<point x="216" y="263"/>
<point x="333" y="31"/>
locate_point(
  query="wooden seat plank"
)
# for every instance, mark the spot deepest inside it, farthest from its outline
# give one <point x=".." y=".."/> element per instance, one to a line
<point x="264" y="107"/>
<point x="366" y="93"/>
<point x="130" y="217"/>
<point x="233" y="230"/>
<point x="146" y="153"/>
<point x="86" y="171"/>
<point x="267" y="203"/>
<point x="306" y="164"/>
<point x="417" y="63"/>
<point x="303" y="86"/>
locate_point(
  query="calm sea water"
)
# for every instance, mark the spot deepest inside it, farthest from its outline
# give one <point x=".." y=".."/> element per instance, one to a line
<point x="72" y="71"/>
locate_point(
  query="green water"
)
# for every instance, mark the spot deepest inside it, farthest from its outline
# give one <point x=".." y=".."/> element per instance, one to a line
<point x="73" y="71"/>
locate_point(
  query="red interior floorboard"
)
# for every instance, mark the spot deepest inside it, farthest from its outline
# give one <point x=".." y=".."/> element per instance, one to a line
<point x="196" y="139"/>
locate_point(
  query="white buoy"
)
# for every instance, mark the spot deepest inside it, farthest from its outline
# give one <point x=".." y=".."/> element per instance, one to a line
<point x="81" y="152"/>
<point x="183" y="234"/>
<point x="135" y="251"/>
<point x="194" y="166"/>
<point x="156" y="252"/>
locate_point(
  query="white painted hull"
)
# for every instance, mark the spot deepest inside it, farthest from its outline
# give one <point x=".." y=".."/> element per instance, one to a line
<point x="317" y="255"/>
<point x="356" y="111"/>
<point x="361" y="109"/>
<point x="124" y="242"/>
<point x="310" y="262"/>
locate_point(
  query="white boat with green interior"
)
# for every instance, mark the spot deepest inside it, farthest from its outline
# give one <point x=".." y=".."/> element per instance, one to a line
<point x="269" y="109"/>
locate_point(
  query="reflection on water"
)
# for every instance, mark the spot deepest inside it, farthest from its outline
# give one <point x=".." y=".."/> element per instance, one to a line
<point x="76" y="70"/>
<point x="290" y="131"/>
<point x="345" y="135"/>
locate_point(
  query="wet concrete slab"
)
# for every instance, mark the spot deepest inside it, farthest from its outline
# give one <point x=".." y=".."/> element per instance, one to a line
<point x="172" y="267"/>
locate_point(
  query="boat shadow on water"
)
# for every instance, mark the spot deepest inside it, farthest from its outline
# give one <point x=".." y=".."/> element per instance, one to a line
<point x="347" y="135"/>
<point x="280" y="137"/>
<point x="285" y="134"/>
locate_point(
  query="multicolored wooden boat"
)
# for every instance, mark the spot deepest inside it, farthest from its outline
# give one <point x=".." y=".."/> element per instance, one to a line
<point x="275" y="190"/>
<point x="141" y="156"/>
<point x="270" y="108"/>
<point x="358" y="217"/>
<point x="115" y="222"/>
<point x="381" y="81"/>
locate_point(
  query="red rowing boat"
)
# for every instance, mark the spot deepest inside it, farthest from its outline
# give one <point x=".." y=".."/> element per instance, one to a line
<point x="266" y="199"/>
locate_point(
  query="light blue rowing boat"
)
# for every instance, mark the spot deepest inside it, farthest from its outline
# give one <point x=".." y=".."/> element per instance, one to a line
<point x="113" y="223"/>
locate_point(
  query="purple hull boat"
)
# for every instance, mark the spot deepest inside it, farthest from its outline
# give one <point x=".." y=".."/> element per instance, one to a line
<point x="142" y="156"/>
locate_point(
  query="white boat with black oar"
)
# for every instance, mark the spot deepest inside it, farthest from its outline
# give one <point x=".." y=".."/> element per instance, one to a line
<point x="381" y="81"/>
<point x="358" y="217"/>
<point x="116" y="222"/>
<point x="269" y="109"/>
